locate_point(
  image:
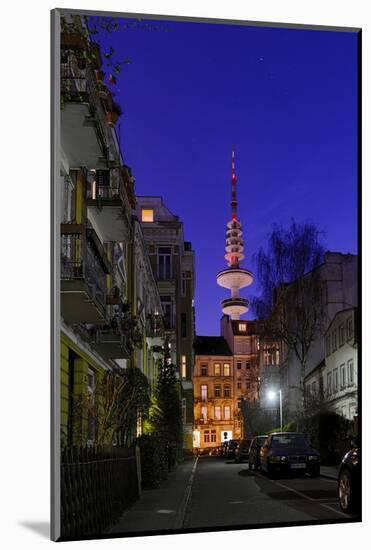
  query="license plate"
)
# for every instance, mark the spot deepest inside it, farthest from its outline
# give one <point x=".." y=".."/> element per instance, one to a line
<point x="297" y="465"/>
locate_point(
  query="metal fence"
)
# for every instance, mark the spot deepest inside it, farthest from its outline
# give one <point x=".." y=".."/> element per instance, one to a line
<point x="97" y="484"/>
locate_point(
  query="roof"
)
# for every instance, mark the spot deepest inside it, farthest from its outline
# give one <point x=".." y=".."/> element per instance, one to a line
<point x="342" y="312"/>
<point x="252" y="327"/>
<point x="211" y="345"/>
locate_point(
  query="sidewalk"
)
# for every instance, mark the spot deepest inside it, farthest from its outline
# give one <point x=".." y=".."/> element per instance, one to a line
<point x="331" y="472"/>
<point x="162" y="508"/>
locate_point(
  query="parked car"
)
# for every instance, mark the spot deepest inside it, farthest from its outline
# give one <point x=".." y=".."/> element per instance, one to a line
<point x="349" y="481"/>
<point x="231" y="447"/>
<point x="254" y="451"/>
<point x="242" y="450"/>
<point x="289" y="452"/>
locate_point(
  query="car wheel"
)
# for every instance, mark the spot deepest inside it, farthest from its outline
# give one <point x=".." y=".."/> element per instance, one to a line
<point x="345" y="492"/>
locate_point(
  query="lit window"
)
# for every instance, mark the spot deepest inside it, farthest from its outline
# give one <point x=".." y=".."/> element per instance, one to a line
<point x="204" y="413"/>
<point x="242" y="327"/>
<point x="227" y="369"/>
<point x="227" y="413"/>
<point x="147" y="214"/>
<point x="217" y="369"/>
<point x="203" y="392"/>
<point x="184" y="366"/>
<point x="217" y="413"/>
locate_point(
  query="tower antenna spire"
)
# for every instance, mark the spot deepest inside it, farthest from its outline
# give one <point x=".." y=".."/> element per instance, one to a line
<point x="234" y="181"/>
<point x="234" y="277"/>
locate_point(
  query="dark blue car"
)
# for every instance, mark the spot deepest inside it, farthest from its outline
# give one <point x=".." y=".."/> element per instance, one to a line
<point x="289" y="452"/>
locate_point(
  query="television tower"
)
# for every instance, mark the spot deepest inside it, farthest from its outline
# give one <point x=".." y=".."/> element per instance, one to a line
<point x="234" y="277"/>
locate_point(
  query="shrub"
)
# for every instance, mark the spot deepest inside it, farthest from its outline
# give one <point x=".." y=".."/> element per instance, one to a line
<point x="330" y="434"/>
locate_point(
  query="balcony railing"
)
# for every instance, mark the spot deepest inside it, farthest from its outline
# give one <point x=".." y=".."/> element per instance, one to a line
<point x="79" y="261"/>
<point x="80" y="85"/>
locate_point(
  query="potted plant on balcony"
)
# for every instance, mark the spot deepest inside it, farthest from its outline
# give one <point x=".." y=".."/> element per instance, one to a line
<point x="113" y="114"/>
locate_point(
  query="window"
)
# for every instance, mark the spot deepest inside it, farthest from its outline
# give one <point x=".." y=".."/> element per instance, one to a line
<point x="183" y="366"/>
<point x="164" y="263"/>
<point x="183" y="325"/>
<point x="349" y="328"/>
<point x="204" y="413"/>
<point x="247" y="364"/>
<point x="227" y="369"/>
<point x="341" y="334"/>
<point x="350" y="372"/>
<point x="227" y="391"/>
<point x="248" y="385"/>
<point x="314" y="388"/>
<point x="328" y="345"/>
<point x="213" y="436"/>
<point x="217" y="413"/>
<point x="241" y="327"/>
<point x="207" y="436"/>
<point x="218" y="390"/>
<point x="217" y="369"/>
<point x="203" y="392"/>
<point x="184" y="285"/>
<point x="342" y="376"/>
<point x="329" y="383"/>
<point x="239" y="385"/>
<point x="334" y="341"/>
<point x="204" y="370"/>
<point x="239" y="365"/>
<point x="167" y="310"/>
<point x="336" y="380"/>
<point x="227" y="413"/>
<point x="147" y="215"/>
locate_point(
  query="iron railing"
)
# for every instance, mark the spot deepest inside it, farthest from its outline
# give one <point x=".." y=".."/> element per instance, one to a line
<point x="80" y="262"/>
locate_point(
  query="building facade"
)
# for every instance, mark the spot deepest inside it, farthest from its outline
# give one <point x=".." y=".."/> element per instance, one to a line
<point x="334" y="383"/>
<point x="214" y="393"/>
<point x="338" y="280"/>
<point x="109" y="299"/>
<point x="172" y="260"/>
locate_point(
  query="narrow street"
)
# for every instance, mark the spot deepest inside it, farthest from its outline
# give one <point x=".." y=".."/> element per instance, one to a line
<point x="225" y="493"/>
<point x="215" y="492"/>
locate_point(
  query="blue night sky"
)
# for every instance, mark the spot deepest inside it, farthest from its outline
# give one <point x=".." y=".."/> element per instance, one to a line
<point x="285" y="98"/>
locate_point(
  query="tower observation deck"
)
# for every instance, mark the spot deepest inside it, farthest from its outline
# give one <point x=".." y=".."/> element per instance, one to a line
<point x="234" y="277"/>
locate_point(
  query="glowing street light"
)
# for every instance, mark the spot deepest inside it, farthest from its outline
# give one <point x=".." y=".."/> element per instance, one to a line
<point x="272" y="395"/>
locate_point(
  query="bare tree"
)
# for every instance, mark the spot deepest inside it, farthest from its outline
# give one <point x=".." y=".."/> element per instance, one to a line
<point x="291" y="293"/>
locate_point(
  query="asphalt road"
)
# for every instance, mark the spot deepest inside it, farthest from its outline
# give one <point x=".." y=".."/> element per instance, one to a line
<point x="228" y="494"/>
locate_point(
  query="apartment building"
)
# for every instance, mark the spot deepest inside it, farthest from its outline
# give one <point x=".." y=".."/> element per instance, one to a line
<point x="173" y="264"/>
<point x="334" y="383"/>
<point x="214" y="392"/>
<point x="109" y="300"/>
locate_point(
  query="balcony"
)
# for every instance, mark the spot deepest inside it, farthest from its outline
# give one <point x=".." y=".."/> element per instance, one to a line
<point x="108" y="205"/>
<point x="84" y="135"/>
<point x="112" y="343"/>
<point x="83" y="276"/>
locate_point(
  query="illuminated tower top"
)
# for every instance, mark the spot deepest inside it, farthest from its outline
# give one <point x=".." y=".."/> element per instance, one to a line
<point x="234" y="277"/>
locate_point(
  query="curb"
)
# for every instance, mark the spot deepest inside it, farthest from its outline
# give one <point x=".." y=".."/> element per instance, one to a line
<point x="183" y="507"/>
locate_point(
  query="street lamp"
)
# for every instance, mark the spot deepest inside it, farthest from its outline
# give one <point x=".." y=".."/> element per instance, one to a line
<point x="271" y="396"/>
